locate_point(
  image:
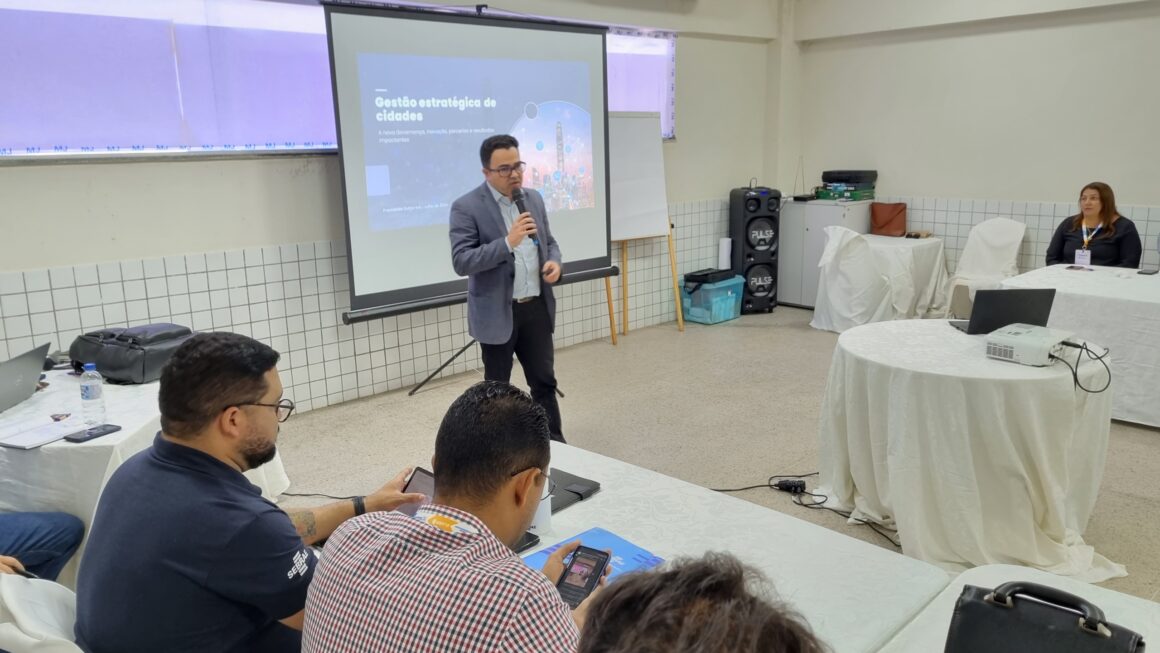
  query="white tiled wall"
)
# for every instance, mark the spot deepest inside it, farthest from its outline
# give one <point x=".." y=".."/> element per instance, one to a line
<point x="292" y="297"/>
<point x="952" y="219"/>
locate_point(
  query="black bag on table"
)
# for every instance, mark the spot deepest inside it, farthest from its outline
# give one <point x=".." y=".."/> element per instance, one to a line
<point x="133" y="355"/>
<point x="1020" y="617"/>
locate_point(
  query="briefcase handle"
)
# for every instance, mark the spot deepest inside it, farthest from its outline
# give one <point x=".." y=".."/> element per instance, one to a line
<point x="1093" y="619"/>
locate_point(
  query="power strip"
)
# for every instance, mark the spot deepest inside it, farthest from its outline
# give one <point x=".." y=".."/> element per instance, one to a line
<point x="793" y="487"/>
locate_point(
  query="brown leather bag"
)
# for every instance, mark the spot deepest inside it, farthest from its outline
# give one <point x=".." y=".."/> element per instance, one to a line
<point x="887" y="219"/>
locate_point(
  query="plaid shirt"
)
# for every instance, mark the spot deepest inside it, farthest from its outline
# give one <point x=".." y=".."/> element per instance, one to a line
<point x="389" y="582"/>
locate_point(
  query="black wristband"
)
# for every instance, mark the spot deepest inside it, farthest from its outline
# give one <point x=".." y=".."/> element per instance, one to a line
<point x="360" y="506"/>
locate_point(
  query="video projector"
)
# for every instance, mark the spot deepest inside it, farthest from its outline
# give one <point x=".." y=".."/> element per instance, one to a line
<point x="1026" y="344"/>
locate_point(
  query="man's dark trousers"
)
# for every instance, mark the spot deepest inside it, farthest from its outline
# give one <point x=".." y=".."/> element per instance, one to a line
<point x="531" y="342"/>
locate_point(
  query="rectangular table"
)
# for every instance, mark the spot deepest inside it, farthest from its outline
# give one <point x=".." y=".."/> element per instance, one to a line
<point x="855" y="595"/>
<point x="925" y="260"/>
<point x="68" y="477"/>
<point x="1119" y="309"/>
<point x="928" y="630"/>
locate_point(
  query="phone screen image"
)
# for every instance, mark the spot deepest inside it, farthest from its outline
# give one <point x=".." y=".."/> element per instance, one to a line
<point x="581" y="575"/>
<point x="421" y="481"/>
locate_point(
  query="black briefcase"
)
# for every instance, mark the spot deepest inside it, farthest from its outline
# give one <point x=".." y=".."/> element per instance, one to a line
<point x="1021" y="617"/>
<point x="133" y="355"/>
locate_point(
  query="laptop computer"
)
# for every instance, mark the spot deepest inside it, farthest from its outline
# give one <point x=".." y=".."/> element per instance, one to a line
<point x="995" y="309"/>
<point x="19" y="376"/>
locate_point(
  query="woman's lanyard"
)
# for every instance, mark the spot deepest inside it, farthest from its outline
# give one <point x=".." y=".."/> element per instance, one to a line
<point x="1088" y="239"/>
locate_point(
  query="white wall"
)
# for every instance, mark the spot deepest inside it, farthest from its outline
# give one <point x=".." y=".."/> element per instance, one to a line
<point x="1021" y="108"/>
<point x="745" y="18"/>
<point x="66" y="214"/>
<point x="822" y="19"/>
<point x="721" y="117"/>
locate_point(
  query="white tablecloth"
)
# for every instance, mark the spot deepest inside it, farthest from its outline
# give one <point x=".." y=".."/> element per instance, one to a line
<point x="67" y="477"/>
<point x="976" y="461"/>
<point x="928" y="631"/>
<point x="1118" y="309"/>
<point x="924" y="259"/>
<point x="854" y="594"/>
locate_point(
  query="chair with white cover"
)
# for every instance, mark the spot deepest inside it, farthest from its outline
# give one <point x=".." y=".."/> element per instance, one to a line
<point x="856" y="287"/>
<point x="990" y="256"/>
<point x="36" y="616"/>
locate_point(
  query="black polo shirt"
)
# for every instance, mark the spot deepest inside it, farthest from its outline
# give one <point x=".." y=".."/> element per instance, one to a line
<point x="184" y="554"/>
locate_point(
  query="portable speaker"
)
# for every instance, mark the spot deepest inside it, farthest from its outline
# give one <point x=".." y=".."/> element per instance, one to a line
<point x="753" y="225"/>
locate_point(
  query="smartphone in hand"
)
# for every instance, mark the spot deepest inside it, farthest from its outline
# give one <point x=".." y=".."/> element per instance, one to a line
<point x="93" y="433"/>
<point x="582" y="574"/>
<point x="421" y="481"/>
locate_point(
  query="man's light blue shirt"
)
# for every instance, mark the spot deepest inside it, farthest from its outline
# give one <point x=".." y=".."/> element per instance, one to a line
<point x="527" y="254"/>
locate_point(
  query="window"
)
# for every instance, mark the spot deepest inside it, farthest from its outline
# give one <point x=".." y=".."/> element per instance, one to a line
<point x="141" y="76"/>
<point x="642" y="74"/>
<point x="138" y="76"/>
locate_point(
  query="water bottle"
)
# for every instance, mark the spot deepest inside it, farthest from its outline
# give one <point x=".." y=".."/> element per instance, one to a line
<point x="92" y="396"/>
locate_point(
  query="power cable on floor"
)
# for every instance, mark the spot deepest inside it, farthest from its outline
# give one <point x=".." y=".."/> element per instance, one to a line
<point x="797" y="488"/>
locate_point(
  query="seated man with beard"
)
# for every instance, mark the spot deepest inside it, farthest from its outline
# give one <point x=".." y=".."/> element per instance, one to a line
<point x="184" y="554"/>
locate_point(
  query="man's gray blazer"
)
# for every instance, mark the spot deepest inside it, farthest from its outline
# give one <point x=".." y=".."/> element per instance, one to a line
<point x="479" y="252"/>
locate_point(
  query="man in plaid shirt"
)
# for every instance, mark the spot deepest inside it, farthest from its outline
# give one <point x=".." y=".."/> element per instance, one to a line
<point x="447" y="578"/>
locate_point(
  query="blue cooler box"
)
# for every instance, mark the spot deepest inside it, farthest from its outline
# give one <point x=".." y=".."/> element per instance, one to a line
<point x="710" y="303"/>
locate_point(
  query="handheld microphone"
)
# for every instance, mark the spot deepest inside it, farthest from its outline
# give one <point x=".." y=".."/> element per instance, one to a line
<point x="518" y="200"/>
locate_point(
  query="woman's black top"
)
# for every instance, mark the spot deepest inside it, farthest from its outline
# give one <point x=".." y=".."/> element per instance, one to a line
<point x="1121" y="249"/>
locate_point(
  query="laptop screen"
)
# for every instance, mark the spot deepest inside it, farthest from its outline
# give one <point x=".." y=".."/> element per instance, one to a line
<point x="995" y="309"/>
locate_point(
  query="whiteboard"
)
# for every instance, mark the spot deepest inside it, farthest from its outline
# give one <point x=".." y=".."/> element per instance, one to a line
<point x="636" y="169"/>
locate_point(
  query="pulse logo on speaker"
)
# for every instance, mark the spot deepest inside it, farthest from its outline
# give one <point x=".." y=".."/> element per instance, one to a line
<point x="761" y="236"/>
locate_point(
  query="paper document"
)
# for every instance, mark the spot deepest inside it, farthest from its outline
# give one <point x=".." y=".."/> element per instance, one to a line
<point x="30" y="438"/>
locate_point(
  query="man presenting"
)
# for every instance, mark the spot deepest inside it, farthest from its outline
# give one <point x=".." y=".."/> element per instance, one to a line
<point x="502" y="243"/>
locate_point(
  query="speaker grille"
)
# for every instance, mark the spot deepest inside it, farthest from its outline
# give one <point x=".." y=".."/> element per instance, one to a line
<point x="759" y="280"/>
<point x="761" y="234"/>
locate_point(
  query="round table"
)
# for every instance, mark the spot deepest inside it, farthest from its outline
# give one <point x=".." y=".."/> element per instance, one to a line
<point x="1121" y="309"/>
<point x="975" y="461"/>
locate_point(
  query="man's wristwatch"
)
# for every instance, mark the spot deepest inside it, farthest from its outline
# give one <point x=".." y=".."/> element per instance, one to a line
<point x="360" y="506"/>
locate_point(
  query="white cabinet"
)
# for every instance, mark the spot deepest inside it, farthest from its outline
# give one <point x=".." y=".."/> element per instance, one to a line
<point x="801" y="240"/>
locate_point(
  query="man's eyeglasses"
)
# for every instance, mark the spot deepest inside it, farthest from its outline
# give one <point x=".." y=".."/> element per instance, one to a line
<point x="549" y="484"/>
<point x="283" y="408"/>
<point x="506" y="171"/>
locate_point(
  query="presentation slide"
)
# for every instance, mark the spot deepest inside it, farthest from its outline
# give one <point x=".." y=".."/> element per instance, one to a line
<point x="417" y="95"/>
<point x="418" y="147"/>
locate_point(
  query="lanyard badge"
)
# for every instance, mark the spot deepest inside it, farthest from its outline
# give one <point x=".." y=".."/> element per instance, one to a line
<point x="1088" y="239"/>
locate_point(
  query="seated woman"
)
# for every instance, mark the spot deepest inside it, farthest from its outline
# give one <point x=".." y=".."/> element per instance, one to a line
<point x="1098" y="235"/>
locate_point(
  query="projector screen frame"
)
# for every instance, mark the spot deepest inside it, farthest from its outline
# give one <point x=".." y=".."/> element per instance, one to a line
<point x="418" y="298"/>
